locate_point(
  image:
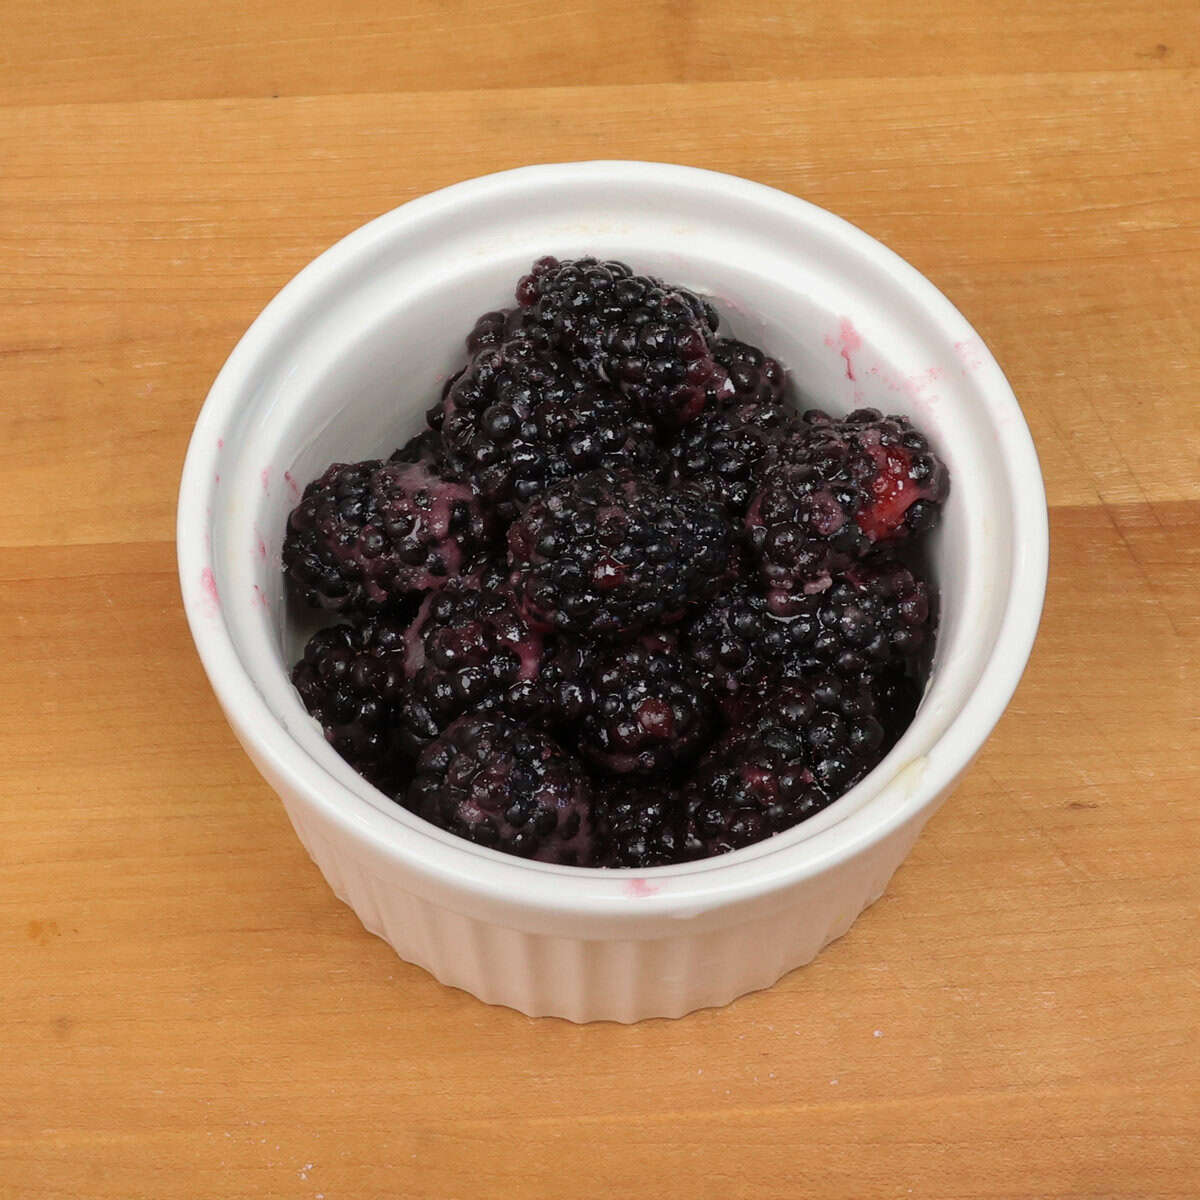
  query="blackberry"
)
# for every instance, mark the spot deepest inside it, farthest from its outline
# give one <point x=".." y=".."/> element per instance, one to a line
<point x="651" y="341"/>
<point x="647" y="717"/>
<point x="755" y="377"/>
<point x="352" y="680"/>
<point x="521" y="418"/>
<point x="498" y="784"/>
<point x="874" y="617"/>
<point x="436" y="526"/>
<point x="909" y="482"/>
<point x="638" y="824"/>
<point x="610" y="554"/>
<point x="333" y="551"/>
<point x="493" y="328"/>
<point x="466" y="650"/>
<point x="726" y="451"/>
<point x="562" y="693"/>
<point x="366" y="534"/>
<point x="806" y="744"/>
<point x="735" y="647"/>
<point x="840" y="488"/>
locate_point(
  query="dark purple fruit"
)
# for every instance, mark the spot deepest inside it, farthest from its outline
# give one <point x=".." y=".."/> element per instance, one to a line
<point x="366" y="535"/>
<point x="651" y="341"/>
<point x="497" y="784"/>
<point x="726" y="452"/>
<point x="521" y="418"/>
<point x="639" y="824"/>
<point x="874" y="617"/>
<point x="610" y="554"/>
<point x="806" y="744"/>
<point x="755" y="377"/>
<point x="468" y="648"/>
<point x="647" y="717"/>
<point x="840" y="488"/>
<point x="352" y="680"/>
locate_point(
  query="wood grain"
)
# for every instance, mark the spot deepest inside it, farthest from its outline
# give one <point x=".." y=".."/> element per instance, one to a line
<point x="186" y="1011"/>
<point x="141" y="49"/>
<point x="137" y="280"/>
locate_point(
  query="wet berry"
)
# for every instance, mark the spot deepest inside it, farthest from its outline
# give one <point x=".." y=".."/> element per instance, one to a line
<point x="639" y="824"/>
<point x="522" y="418"/>
<point x="620" y="604"/>
<point x="498" y="784"/>
<point x="610" y="554"/>
<point x="755" y="377"/>
<point x="352" y="680"/>
<point x="647" y="717"/>
<point x="366" y="535"/>
<point x="803" y="747"/>
<point x="468" y="648"/>
<point x="651" y="341"/>
<point x="840" y="488"/>
<point x="726" y="452"/>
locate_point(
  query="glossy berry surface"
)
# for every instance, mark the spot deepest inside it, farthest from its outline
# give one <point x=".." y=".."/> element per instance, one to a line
<point x="621" y="604"/>
<point x="805" y="745"/>
<point x="841" y="487"/>
<point x="352" y="680"/>
<point x="726" y="452"/>
<point x="639" y="824"/>
<point x="499" y="784"/>
<point x="651" y="341"/>
<point x="366" y="535"/>
<point x="521" y="418"/>
<point x="611" y="554"/>
<point x="647" y="715"/>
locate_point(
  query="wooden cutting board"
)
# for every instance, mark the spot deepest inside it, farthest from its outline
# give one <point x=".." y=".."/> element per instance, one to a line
<point x="186" y="1011"/>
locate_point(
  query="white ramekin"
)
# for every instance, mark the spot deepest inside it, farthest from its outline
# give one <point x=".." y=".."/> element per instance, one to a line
<point x="342" y="364"/>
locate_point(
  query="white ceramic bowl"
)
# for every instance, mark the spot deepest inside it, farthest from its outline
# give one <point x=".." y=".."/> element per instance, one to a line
<point x="342" y="364"/>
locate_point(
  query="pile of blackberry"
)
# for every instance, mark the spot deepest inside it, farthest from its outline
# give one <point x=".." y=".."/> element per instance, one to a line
<point x="620" y="604"/>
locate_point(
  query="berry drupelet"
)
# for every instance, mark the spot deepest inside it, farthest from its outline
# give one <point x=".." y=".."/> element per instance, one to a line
<point x="493" y="328"/>
<point x="610" y="554"/>
<point x="651" y="341"/>
<point x="499" y="784"/>
<point x="647" y="717"/>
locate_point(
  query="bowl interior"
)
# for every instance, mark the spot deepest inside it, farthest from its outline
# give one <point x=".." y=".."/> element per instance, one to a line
<point x="346" y="361"/>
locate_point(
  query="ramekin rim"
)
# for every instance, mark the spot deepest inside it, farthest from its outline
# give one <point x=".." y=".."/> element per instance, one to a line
<point x="712" y="882"/>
